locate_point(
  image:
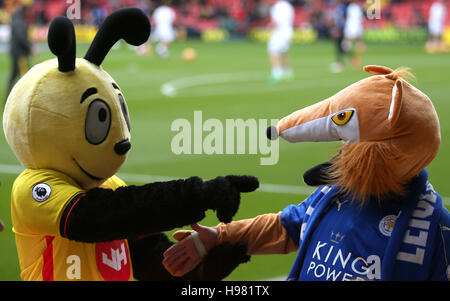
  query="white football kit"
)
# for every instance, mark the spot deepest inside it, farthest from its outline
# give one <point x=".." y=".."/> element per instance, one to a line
<point x="437" y="18"/>
<point x="164" y="18"/>
<point x="282" y="15"/>
<point x="353" y="28"/>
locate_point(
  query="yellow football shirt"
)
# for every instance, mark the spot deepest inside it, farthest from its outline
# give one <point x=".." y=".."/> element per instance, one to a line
<point x="38" y="200"/>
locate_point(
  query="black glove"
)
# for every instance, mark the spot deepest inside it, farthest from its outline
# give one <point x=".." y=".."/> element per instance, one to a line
<point x="222" y="260"/>
<point x="147" y="255"/>
<point x="223" y="194"/>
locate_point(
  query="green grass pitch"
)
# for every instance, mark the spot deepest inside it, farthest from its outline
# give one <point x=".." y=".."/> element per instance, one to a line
<point x="230" y="81"/>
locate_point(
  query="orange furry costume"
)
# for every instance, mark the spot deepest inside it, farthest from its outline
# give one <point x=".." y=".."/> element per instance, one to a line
<point x="376" y="204"/>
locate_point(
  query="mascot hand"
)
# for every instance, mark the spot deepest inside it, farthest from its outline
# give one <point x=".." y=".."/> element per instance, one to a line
<point x="184" y="256"/>
<point x="198" y="247"/>
<point x="223" y="194"/>
<point x="223" y="259"/>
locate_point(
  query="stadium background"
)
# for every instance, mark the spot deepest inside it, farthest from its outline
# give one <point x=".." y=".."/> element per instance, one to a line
<point x="229" y="38"/>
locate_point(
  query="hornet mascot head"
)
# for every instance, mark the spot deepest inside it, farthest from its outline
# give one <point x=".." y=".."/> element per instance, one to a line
<point x="69" y="114"/>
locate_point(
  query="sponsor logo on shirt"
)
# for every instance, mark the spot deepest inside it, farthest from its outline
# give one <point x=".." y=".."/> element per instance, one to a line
<point x="331" y="263"/>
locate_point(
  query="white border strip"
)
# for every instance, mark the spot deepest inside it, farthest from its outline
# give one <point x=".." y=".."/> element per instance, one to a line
<point x="140" y="178"/>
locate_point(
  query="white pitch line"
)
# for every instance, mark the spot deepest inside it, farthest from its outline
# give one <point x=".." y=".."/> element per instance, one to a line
<point x="11" y="169"/>
<point x="140" y="178"/>
<point x="171" y="88"/>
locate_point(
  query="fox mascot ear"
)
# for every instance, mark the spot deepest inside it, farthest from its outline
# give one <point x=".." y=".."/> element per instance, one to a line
<point x="397" y="90"/>
<point x="396" y="102"/>
<point x="377" y="70"/>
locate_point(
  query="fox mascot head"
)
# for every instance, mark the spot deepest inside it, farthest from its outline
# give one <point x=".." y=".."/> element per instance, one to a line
<point x="390" y="131"/>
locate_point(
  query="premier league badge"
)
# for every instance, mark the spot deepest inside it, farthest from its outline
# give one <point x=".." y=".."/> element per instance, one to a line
<point x="41" y="192"/>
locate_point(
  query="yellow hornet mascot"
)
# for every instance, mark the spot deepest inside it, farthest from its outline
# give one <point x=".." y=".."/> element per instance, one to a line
<point x="67" y="122"/>
<point x="375" y="215"/>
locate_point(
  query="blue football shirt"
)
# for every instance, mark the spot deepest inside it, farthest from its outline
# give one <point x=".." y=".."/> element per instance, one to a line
<point x="341" y="240"/>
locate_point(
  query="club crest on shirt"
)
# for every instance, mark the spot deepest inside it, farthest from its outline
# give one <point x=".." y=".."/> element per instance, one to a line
<point x="386" y="224"/>
<point x="113" y="260"/>
<point x="41" y="192"/>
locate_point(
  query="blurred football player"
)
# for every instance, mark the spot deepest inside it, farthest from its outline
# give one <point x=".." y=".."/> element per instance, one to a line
<point x="164" y="33"/>
<point x="337" y="33"/>
<point x="282" y="21"/>
<point x="20" y="44"/>
<point x="353" y="31"/>
<point x="436" y="25"/>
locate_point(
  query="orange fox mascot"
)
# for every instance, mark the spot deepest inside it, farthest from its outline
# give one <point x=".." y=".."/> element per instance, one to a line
<point x="375" y="215"/>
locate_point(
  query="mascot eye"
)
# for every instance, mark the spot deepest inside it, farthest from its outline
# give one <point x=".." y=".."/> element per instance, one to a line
<point x="343" y="117"/>
<point x="98" y="122"/>
<point x="124" y="108"/>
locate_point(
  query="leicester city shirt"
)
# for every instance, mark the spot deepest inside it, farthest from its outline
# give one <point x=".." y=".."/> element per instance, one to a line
<point x="340" y="240"/>
<point x="351" y="243"/>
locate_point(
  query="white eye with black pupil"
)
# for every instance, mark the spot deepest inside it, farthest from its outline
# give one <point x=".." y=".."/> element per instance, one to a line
<point x="98" y="122"/>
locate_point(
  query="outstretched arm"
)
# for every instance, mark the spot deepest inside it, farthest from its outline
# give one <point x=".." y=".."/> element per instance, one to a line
<point x="263" y="234"/>
<point x="130" y="211"/>
<point x="147" y="255"/>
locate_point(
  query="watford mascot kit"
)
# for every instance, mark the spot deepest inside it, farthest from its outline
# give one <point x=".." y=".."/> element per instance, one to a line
<point x="374" y="216"/>
<point x="72" y="217"/>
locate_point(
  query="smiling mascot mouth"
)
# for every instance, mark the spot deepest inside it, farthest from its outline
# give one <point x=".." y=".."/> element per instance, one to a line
<point x="85" y="172"/>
